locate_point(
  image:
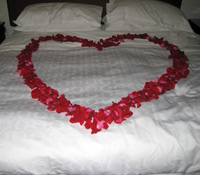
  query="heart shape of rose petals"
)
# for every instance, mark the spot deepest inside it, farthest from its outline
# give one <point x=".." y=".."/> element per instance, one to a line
<point x="117" y="112"/>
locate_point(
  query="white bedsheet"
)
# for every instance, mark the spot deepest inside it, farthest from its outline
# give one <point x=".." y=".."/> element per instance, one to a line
<point x="162" y="137"/>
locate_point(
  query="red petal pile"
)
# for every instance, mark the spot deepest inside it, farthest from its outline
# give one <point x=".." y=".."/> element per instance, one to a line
<point x="117" y="112"/>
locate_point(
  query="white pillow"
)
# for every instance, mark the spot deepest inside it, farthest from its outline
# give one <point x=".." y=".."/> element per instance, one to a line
<point x="58" y="17"/>
<point x="146" y="15"/>
<point x="109" y="6"/>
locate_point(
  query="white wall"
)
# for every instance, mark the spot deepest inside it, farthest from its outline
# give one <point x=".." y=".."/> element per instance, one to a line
<point x="4" y="16"/>
<point x="191" y="9"/>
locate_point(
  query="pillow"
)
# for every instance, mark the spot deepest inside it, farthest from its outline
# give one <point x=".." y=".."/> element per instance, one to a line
<point x="145" y="15"/>
<point x="58" y="17"/>
<point x="109" y="6"/>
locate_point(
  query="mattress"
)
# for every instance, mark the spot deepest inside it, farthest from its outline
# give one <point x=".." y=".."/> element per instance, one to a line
<point x="161" y="137"/>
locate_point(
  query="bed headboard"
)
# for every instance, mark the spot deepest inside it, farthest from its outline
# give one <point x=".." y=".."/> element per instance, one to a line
<point x="16" y="6"/>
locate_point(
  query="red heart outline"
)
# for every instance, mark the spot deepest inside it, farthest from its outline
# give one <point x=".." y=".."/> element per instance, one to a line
<point x="117" y="112"/>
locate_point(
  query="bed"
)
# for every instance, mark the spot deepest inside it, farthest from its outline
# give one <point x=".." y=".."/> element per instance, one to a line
<point x="99" y="88"/>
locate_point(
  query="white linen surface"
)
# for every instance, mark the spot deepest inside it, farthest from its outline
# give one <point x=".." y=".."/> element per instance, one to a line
<point x="57" y="17"/>
<point x="145" y="15"/>
<point x="162" y="137"/>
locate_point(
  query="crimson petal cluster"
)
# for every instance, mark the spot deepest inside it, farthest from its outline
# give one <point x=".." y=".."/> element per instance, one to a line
<point x="117" y="112"/>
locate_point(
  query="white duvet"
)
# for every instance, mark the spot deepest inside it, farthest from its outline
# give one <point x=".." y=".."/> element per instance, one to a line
<point x="162" y="137"/>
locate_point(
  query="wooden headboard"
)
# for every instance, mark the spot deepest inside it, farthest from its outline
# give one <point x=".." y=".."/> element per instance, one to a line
<point x="16" y="6"/>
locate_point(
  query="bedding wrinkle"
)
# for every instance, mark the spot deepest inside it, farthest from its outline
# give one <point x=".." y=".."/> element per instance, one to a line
<point x="181" y="131"/>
